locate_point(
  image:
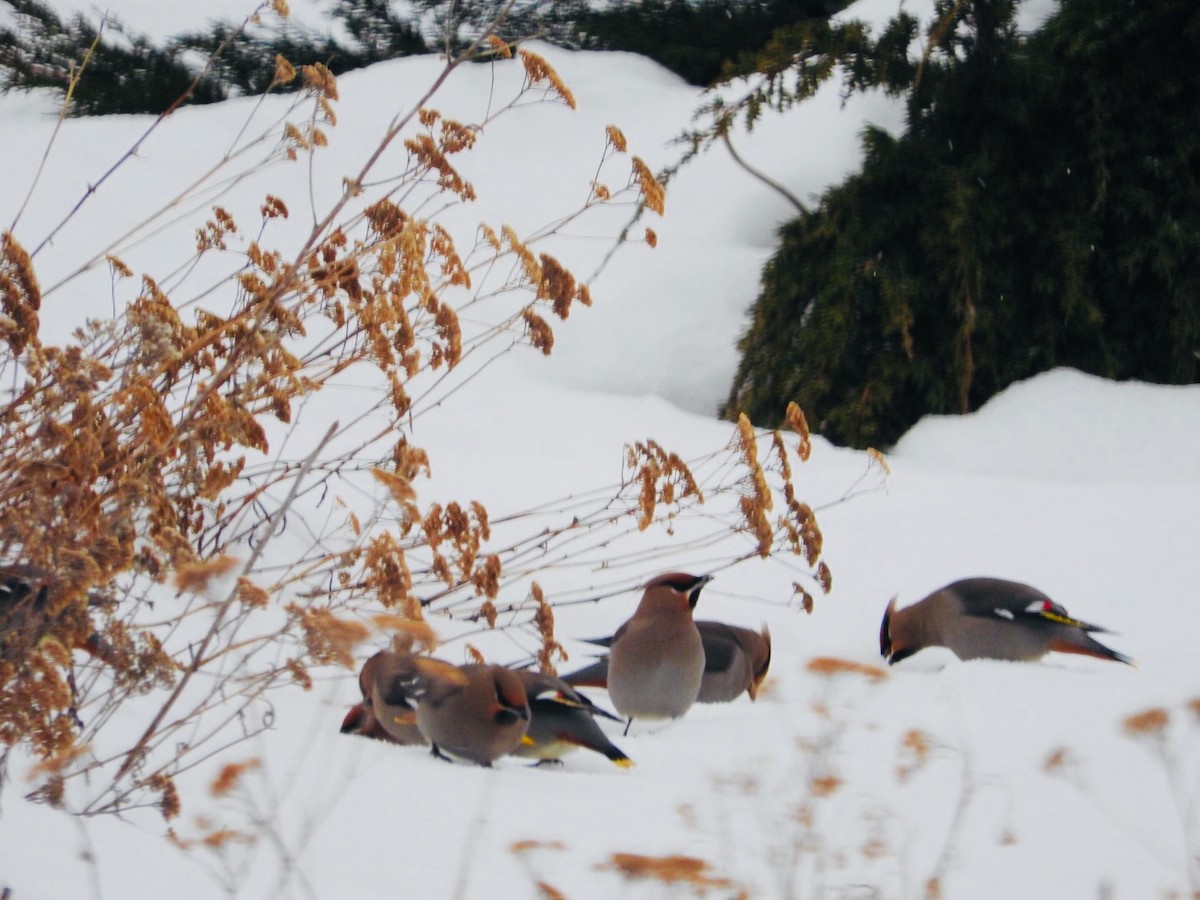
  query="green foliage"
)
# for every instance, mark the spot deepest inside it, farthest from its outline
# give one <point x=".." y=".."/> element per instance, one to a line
<point x="126" y="74"/>
<point x="245" y="61"/>
<point x="1041" y="210"/>
<point x="699" y="41"/>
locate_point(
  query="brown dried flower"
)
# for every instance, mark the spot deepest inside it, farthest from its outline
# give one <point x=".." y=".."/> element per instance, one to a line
<point x="284" y="70"/>
<point x="499" y="47"/>
<point x="20" y="296"/>
<point x="318" y="79"/>
<point x="537" y="71"/>
<point x="616" y="138"/>
<point x="1151" y="722"/>
<point x="229" y="776"/>
<point x="194" y="577"/>
<point x="830" y="667"/>
<point x="675" y="869"/>
<point x="799" y="424"/>
<point x="653" y="193"/>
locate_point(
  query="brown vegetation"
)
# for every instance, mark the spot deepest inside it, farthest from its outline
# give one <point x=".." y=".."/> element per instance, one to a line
<point x="140" y="463"/>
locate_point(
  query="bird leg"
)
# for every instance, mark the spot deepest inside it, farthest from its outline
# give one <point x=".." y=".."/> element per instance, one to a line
<point x="438" y="754"/>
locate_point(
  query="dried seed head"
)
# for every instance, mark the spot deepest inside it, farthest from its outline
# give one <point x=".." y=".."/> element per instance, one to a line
<point x="20" y="296"/>
<point x="408" y="633"/>
<point x="799" y="424"/>
<point x="538" y="331"/>
<point x="499" y="47"/>
<point x="1057" y="760"/>
<point x="538" y="71"/>
<point x="829" y="667"/>
<point x="616" y="138"/>
<point x="229" y="776"/>
<point x="824" y="576"/>
<point x="806" y="600"/>
<point x="556" y="285"/>
<point x="252" y="595"/>
<point x="118" y="267"/>
<point x="319" y="80"/>
<point x="1149" y="723"/>
<point x="169" y="803"/>
<point x="674" y="869"/>
<point x="824" y="785"/>
<point x="284" y="70"/>
<point x="330" y="640"/>
<point x="195" y="577"/>
<point x="653" y="192"/>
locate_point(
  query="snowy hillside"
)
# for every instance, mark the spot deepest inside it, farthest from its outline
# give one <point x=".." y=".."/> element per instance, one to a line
<point x="982" y="779"/>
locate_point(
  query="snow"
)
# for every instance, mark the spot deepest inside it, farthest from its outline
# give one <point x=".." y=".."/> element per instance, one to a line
<point x="1085" y="488"/>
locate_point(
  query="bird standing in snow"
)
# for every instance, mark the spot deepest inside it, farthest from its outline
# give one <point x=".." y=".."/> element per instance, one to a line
<point x="656" y="660"/>
<point x="386" y="704"/>
<point x="736" y="661"/>
<point x="561" y="720"/>
<point x="475" y="712"/>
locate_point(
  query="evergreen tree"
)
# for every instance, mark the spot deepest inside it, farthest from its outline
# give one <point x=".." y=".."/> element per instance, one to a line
<point x="697" y="40"/>
<point x="1041" y="209"/>
<point x="129" y="75"/>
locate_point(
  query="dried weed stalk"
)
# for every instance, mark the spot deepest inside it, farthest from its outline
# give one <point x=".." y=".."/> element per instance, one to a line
<point x="1174" y="745"/>
<point x="673" y="870"/>
<point x="817" y="826"/>
<point x="198" y="559"/>
<point x="138" y="458"/>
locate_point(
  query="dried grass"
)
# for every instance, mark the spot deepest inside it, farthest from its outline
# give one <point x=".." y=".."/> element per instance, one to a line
<point x="675" y="869"/>
<point x="142" y="459"/>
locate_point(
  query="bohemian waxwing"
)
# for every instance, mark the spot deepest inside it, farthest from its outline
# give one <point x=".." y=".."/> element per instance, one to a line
<point x="656" y="659"/>
<point x="476" y="712"/>
<point x="383" y="680"/>
<point x="988" y="618"/>
<point x="735" y="663"/>
<point x="359" y="719"/>
<point x="561" y="720"/>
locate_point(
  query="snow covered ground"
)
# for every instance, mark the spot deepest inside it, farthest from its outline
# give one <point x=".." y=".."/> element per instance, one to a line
<point x="1000" y="780"/>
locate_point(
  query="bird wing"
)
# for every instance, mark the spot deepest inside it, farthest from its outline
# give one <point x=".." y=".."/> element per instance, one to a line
<point x="720" y="646"/>
<point x="1030" y="607"/>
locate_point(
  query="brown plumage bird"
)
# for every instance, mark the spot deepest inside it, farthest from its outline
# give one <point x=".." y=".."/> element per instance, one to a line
<point x="359" y="719"/>
<point x="562" y="720"/>
<point x="736" y="661"/>
<point x="386" y="704"/>
<point x="656" y="660"/>
<point x="988" y="618"/>
<point x="475" y="712"/>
